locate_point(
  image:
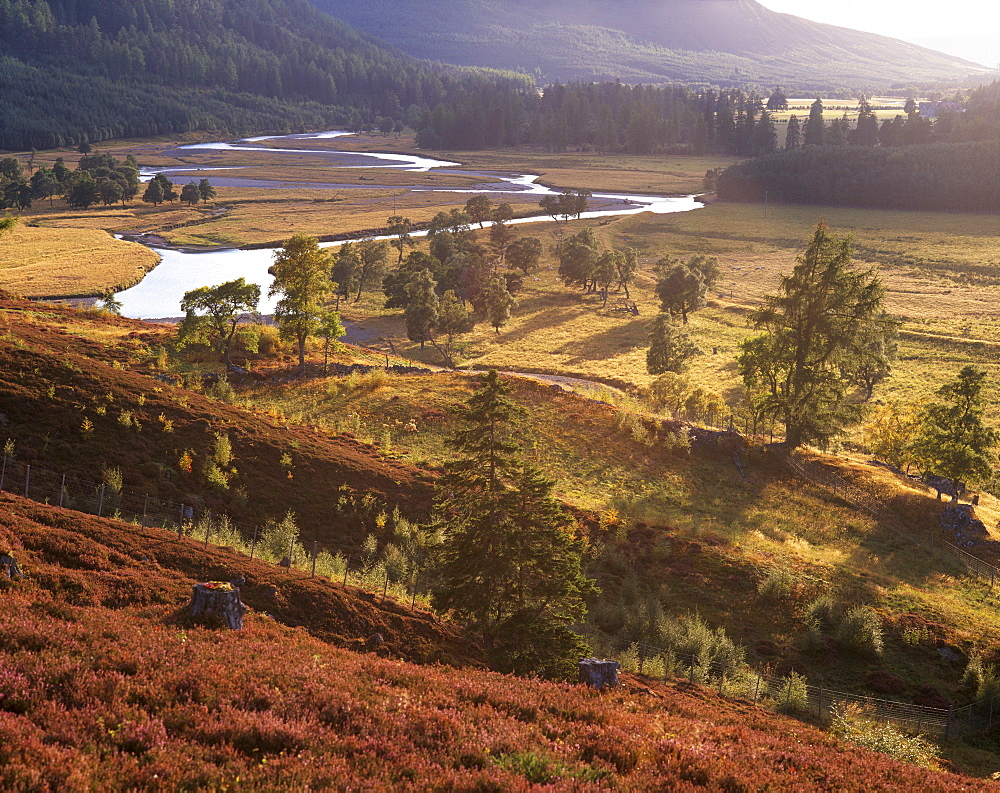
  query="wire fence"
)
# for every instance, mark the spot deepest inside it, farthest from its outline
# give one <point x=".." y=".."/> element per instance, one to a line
<point x="193" y="523"/>
<point x="794" y="695"/>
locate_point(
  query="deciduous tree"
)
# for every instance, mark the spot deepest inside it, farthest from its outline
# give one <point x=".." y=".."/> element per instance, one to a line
<point x="301" y="272"/>
<point x="217" y="311"/>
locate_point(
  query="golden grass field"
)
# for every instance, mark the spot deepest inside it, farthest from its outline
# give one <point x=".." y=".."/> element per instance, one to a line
<point x="42" y="262"/>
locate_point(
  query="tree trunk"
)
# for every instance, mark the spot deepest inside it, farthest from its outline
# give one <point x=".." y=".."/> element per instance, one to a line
<point x="222" y="604"/>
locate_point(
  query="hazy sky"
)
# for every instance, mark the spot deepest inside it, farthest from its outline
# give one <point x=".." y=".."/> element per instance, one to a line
<point x="963" y="27"/>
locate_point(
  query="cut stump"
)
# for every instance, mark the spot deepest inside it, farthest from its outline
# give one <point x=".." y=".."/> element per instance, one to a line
<point x="599" y="673"/>
<point x="220" y="600"/>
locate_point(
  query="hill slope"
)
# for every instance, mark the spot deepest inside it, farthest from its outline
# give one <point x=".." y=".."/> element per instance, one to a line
<point x="724" y="42"/>
<point x="74" y="71"/>
<point x="105" y="685"/>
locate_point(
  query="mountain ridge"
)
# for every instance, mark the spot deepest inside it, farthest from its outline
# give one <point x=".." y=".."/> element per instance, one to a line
<point x="730" y="43"/>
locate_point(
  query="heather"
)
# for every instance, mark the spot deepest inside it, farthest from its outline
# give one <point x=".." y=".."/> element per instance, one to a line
<point x="104" y="684"/>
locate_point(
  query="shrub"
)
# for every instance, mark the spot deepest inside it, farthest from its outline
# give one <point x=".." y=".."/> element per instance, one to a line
<point x="850" y="725"/>
<point x="824" y="611"/>
<point x="793" y="694"/>
<point x="982" y="677"/>
<point x="778" y="585"/>
<point x="861" y="631"/>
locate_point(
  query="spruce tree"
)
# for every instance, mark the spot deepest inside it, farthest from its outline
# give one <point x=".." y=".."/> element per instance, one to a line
<point x="511" y="561"/>
<point x="815" y="131"/>
<point x="793" y="136"/>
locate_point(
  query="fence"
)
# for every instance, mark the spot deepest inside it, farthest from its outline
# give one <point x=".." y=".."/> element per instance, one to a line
<point x="98" y="498"/>
<point x="794" y="695"/>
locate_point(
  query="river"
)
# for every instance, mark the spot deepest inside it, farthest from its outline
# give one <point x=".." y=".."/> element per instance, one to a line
<point x="159" y="294"/>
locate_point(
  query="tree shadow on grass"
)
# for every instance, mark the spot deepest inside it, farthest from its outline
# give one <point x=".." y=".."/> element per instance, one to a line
<point x="607" y="343"/>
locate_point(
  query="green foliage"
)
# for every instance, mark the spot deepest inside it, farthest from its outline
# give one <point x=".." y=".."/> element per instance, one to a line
<point x="499" y="303"/>
<point x="279" y="538"/>
<point x="222" y="307"/>
<point x="302" y="277"/>
<point x="824" y="611"/>
<point x="778" y="585"/>
<point x="682" y="286"/>
<point x="953" y="441"/>
<point x="669" y="347"/>
<point x="793" y="694"/>
<point x="849" y="724"/>
<point x="511" y="561"/>
<point x="982" y="677"/>
<point x="793" y="370"/>
<point x="860" y="631"/>
<point x="891" y="432"/>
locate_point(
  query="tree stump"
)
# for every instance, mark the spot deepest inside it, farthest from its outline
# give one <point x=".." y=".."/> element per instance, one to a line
<point x="599" y="673"/>
<point x="219" y="600"/>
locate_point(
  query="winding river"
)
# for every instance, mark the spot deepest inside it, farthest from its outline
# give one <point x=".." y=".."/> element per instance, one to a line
<point x="159" y="294"/>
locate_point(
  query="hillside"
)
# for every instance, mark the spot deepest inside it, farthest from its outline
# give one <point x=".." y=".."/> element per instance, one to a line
<point x="104" y="684"/>
<point x="723" y="42"/>
<point x="78" y="71"/>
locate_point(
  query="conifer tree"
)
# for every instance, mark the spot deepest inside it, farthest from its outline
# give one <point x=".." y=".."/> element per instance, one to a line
<point x="793" y="136"/>
<point x="815" y="131"/>
<point x="499" y="303"/>
<point x="669" y="347"/>
<point x="421" y="311"/>
<point x="511" y="561"/>
<point x="953" y="441"/>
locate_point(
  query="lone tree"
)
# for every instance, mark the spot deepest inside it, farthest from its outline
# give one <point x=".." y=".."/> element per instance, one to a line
<point x="206" y="191"/>
<point x="794" y="370"/>
<point x="511" y="560"/>
<point x="953" y="441"/>
<point x="670" y="348"/>
<point x="499" y="303"/>
<point x="222" y="307"/>
<point x="301" y="272"/>
<point x="682" y="286"/>
<point x="523" y="254"/>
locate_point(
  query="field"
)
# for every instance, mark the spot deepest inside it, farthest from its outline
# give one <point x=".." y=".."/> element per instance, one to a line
<point x="41" y="262"/>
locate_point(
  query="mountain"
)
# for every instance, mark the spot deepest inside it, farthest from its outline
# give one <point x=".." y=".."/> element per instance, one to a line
<point x="730" y="43"/>
<point x="78" y="71"/>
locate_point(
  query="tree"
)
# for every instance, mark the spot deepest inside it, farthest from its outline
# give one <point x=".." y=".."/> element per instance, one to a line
<point x="330" y="330"/>
<point x="421" y="311"/>
<point x="479" y="208"/>
<point x="452" y="321"/>
<point x="628" y="265"/>
<point x="815" y="130"/>
<point x="223" y="305"/>
<point x="524" y="254"/>
<point x="875" y="352"/>
<point x="154" y="193"/>
<point x="866" y="131"/>
<point x="372" y="255"/>
<point x="793" y="136"/>
<point x="344" y="275"/>
<point x="301" y="272"/>
<point x="577" y="257"/>
<point x="7" y="224"/>
<point x="400" y="228"/>
<point x="110" y="303"/>
<point x="511" y="560"/>
<point x="682" y="286"/>
<point x="953" y="442"/>
<point x="44" y="184"/>
<point x="890" y="434"/>
<point x="206" y="191"/>
<point x="777" y="100"/>
<point x="669" y="347"/>
<point x="190" y="194"/>
<point x="109" y="191"/>
<point x="501" y="233"/>
<point x="82" y="191"/>
<point x="499" y="303"/>
<point x="605" y="273"/>
<point x="793" y="370"/>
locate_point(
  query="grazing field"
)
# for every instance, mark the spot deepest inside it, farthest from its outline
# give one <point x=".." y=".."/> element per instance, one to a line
<point x="41" y="262"/>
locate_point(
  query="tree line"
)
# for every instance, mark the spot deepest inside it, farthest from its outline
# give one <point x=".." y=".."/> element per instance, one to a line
<point x="97" y="179"/>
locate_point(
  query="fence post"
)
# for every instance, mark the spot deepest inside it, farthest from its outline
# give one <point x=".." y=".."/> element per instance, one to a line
<point x="315" y="552"/>
<point x="642" y="658"/>
<point x="993" y="576"/>
<point x="100" y="501"/>
<point x="253" y="542"/>
<point x="413" y="598"/>
<point x="145" y="505"/>
<point x="346" y="564"/>
<point x="3" y="473"/>
<point x="788" y="691"/>
<point x="62" y="490"/>
<point x="947" y="727"/>
<point x="819" y="710"/>
<point x="385" y="587"/>
<point x="756" y="691"/>
<point x="180" y="523"/>
<point x="27" y="479"/>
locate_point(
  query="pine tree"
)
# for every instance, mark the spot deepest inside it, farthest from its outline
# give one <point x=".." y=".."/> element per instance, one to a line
<point x="815" y="131"/>
<point x="499" y="303"/>
<point x="953" y="441"/>
<point x="794" y="371"/>
<point x="511" y="561"/>
<point x="421" y="311"/>
<point x="302" y="277"/>
<point x="669" y="347"/>
<point x="793" y="136"/>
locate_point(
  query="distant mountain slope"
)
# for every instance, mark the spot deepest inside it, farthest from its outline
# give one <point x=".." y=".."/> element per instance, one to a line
<point x="75" y="71"/>
<point x="724" y="42"/>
